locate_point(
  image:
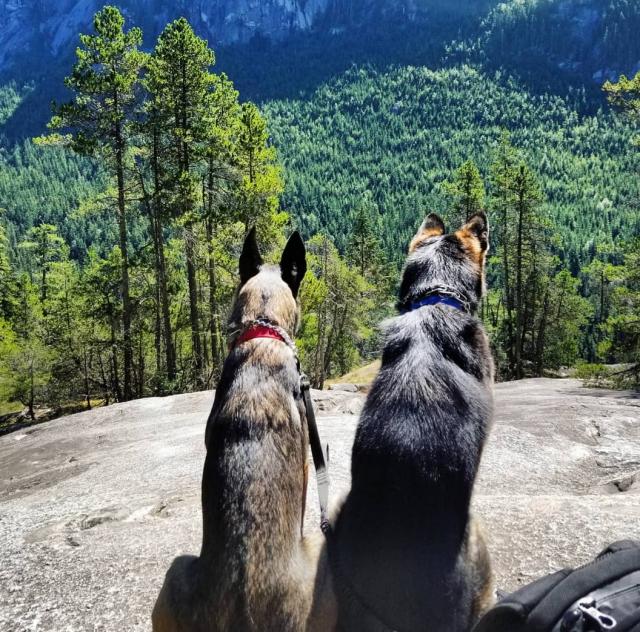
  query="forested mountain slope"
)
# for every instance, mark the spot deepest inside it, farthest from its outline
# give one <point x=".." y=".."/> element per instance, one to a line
<point x="588" y="39"/>
<point x="400" y="134"/>
<point x="425" y="122"/>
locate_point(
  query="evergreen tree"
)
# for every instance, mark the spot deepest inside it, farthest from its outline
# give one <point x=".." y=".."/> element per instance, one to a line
<point x="256" y="160"/>
<point x="180" y="84"/>
<point x="363" y="250"/>
<point x="47" y="246"/>
<point x="623" y="324"/>
<point x="466" y="192"/>
<point x="337" y="313"/>
<point x="104" y="80"/>
<point x="7" y="280"/>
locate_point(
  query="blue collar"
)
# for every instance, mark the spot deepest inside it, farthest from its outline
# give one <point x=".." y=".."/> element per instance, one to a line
<point x="435" y="299"/>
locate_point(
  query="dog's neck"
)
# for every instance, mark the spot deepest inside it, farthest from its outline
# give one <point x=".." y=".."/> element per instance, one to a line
<point x="437" y="295"/>
<point x="257" y="329"/>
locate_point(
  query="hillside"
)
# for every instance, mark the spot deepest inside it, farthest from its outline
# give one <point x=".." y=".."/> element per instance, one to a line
<point x="398" y="134"/>
<point x="401" y="133"/>
<point x="93" y="507"/>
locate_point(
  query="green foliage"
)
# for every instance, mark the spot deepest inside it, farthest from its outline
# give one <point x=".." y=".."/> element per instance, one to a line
<point x="104" y="76"/>
<point x="537" y="315"/>
<point x="337" y="320"/>
<point x="465" y="192"/>
<point x="164" y="145"/>
<point x="592" y="374"/>
<point x="558" y="43"/>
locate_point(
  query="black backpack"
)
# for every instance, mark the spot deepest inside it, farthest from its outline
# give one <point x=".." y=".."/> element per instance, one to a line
<point x="600" y="596"/>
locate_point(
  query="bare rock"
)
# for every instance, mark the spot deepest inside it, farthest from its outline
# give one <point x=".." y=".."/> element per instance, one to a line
<point x="93" y="507"/>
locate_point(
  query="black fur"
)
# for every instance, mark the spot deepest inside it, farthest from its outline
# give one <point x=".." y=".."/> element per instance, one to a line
<point x="402" y="534"/>
<point x="250" y="259"/>
<point x="293" y="264"/>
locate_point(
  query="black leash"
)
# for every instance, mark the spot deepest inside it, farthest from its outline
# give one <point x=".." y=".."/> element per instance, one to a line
<point x="319" y="453"/>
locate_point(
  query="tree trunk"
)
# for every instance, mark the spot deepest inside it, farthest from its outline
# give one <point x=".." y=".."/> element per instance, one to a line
<point x="161" y="272"/>
<point x="122" y="230"/>
<point x="214" y="309"/>
<point x="155" y="236"/>
<point x="114" y="361"/>
<point x="214" y="315"/>
<point x="542" y="332"/>
<point x="32" y="395"/>
<point x="519" y="288"/>
<point x="86" y="380"/>
<point x="194" y="318"/>
<point x="507" y="289"/>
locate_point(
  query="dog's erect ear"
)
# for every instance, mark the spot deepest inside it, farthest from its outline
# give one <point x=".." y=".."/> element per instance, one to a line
<point x="250" y="259"/>
<point x="433" y="226"/>
<point x="478" y="226"/>
<point x="293" y="265"/>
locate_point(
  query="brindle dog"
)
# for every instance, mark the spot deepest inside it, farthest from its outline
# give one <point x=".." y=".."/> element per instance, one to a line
<point x="406" y="553"/>
<point x="255" y="572"/>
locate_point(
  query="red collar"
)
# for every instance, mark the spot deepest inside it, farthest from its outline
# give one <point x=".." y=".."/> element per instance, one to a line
<point x="259" y="331"/>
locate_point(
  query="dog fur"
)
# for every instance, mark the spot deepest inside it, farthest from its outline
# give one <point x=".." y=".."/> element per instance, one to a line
<point x="407" y="555"/>
<point x="255" y="572"/>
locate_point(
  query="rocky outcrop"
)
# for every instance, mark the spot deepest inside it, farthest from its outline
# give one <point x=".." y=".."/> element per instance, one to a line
<point x="52" y="29"/>
<point x="93" y="507"/>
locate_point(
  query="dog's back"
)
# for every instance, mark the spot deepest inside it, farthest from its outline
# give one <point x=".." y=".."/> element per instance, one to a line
<point x="406" y="554"/>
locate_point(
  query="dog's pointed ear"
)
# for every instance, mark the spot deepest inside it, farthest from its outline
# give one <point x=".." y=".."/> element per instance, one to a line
<point x="478" y="226"/>
<point x="250" y="259"/>
<point x="293" y="264"/>
<point x="433" y="226"/>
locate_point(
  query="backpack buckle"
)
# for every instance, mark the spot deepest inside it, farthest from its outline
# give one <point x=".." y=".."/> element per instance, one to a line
<point x="605" y="621"/>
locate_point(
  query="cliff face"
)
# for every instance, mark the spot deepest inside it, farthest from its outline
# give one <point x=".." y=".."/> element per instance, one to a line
<point x="43" y="29"/>
<point x="596" y="38"/>
<point x="27" y="25"/>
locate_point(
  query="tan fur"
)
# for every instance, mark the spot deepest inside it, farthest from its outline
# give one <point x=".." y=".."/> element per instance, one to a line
<point x="471" y="245"/>
<point x="423" y="236"/>
<point x="281" y="308"/>
<point x="479" y="564"/>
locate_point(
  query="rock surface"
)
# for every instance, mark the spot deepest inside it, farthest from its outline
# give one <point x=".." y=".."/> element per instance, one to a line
<point x="93" y="507"/>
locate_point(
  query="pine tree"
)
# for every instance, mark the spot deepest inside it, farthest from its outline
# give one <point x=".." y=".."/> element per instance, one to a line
<point x="7" y="279"/>
<point x="501" y="203"/>
<point x="180" y="84"/>
<point x="104" y="80"/>
<point x="220" y="180"/>
<point x="363" y="249"/>
<point x="261" y="180"/>
<point x="47" y="246"/>
<point x="623" y="324"/>
<point x="466" y="192"/>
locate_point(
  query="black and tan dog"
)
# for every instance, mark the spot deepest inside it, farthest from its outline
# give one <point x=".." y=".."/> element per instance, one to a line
<point x="255" y="572"/>
<point x="406" y="553"/>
